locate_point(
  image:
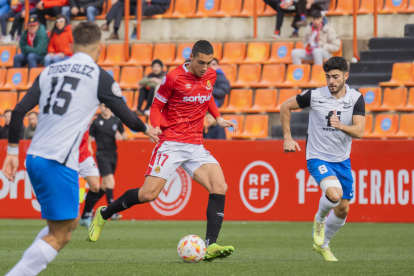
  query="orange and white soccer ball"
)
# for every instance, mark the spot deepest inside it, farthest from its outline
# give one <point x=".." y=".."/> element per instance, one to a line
<point x="191" y="249"/>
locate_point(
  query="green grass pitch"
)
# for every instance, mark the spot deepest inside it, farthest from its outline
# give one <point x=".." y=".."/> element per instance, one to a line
<point x="261" y="248"/>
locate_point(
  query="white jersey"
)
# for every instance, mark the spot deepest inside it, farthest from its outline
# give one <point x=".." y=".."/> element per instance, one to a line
<point x="325" y="142"/>
<point x="69" y="94"/>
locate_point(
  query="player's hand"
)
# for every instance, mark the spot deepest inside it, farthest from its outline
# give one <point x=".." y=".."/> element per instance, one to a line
<point x="62" y="55"/>
<point x="290" y="145"/>
<point x="225" y="123"/>
<point x="153" y="134"/>
<point x="10" y="166"/>
<point x="335" y="121"/>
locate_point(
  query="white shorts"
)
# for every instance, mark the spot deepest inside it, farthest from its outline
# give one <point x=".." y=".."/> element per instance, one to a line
<point x="167" y="156"/>
<point x="88" y="168"/>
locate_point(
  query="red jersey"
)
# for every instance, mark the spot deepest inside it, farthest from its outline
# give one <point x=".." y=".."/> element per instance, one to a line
<point x="84" y="147"/>
<point x="181" y="104"/>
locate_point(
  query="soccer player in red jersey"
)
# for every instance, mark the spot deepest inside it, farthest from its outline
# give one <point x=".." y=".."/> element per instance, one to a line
<point x="178" y="112"/>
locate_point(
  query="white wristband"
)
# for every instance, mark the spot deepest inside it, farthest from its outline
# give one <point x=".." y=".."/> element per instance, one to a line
<point x="13" y="150"/>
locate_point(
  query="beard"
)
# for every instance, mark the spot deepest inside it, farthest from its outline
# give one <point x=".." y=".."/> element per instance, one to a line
<point x="338" y="89"/>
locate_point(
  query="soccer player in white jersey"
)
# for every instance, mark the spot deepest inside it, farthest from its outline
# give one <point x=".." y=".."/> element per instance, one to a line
<point x="68" y="94"/>
<point x="337" y="114"/>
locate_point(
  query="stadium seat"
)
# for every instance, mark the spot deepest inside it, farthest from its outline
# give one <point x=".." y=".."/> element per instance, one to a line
<point x="368" y="124"/>
<point x="115" y="55"/>
<point x="273" y="75"/>
<point x="394" y="6"/>
<point x="164" y="52"/>
<point x="367" y="7"/>
<point x="182" y="9"/>
<point x="167" y="13"/>
<point x="297" y="76"/>
<point x="318" y="78"/>
<point x="113" y="71"/>
<point x="170" y="68"/>
<point x="8" y="101"/>
<point x="218" y="50"/>
<point x="2" y="120"/>
<point x="332" y="6"/>
<point x="225" y="103"/>
<point x="249" y="75"/>
<point x="267" y="11"/>
<point x="131" y="135"/>
<point x="230" y="71"/>
<point x="385" y="125"/>
<point x="299" y="45"/>
<point x="26" y="121"/>
<point x="207" y="8"/>
<point x="239" y="120"/>
<point x="255" y="126"/>
<point x="281" y="53"/>
<point x="248" y="8"/>
<point x="130" y="76"/>
<point x="6" y="55"/>
<point x="20" y="97"/>
<point x="409" y="9"/>
<point x="234" y="52"/>
<point x="3" y="73"/>
<point x="183" y="53"/>
<point x="372" y="97"/>
<point x="339" y="52"/>
<point x="406" y="129"/>
<point x="141" y="54"/>
<point x="410" y="103"/>
<point x="343" y="7"/>
<point x="257" y="52"/>
<point x="102" y="55"/>
<point x="16" y="79"/>
<point x="33" y="73"/>
<point x="284" y="95"/>
<point x="401" y="73"/>
<point x="229" y="8"/>
<point x="393" y="98"/>
<point x="240" y="99"/>
<point x="128" y="97"/>
<point x="265" y="100"/>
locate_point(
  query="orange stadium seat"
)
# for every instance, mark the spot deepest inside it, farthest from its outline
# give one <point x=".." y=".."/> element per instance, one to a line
<point x="130" y="76"/>
<point x="207" y="8"/>
<point x="128" y="97"/>
<point x="167" y="13"/>
<point x="410" y="103"/>
<point x="281" y="53"/>
<point x="401" y="73"/>
<point x="255" y="126"/>
<point x="218" y="49"/>
<point x="183" y="53"/>
<point x="394" y="6"/>
<point x="113" y="71"/>
<point x="239" y="120"/>
<point x="20" y="97"/>
<point x="267" y="11"/>
<point x="164" y="52"/>
<point x="393" y="98"/>
<point x="136" y="135"/>
<point x="318" y="78"/>
<point x="248" y="8"/>
<point x="297" y="76"/>
<point x="406" y="129"/>
<point x="2" y="121"/>
<point x="6" y="55"/>
<point x="409" y="9"/>
<point x="249" y="75"/>
<point x="273" y="75"/>
<point x="265" y="100"/>
<point x="115" y="55"/>
<point x="141" y="54"/>
<point x="3" y="73"/>
<point x="239" y="99"/>
<point x="170" y="68"/>
<point x="26" y="121"/>
<point x="33" y="73"/>
<point x="234" y="52"/>
<point x="339" y="52"/>
<point x="182" y="9"/>
<point x="8" y="101"/>
<point x="385" y="125"/>
<point x="230" y="71"/>
<point x="225" y="103"/>
<point x="16" y="79"/>
<point x="366" y="7"/>
<point x="368" y="124"/>
<point x="372" y="97"/>
<point x="257" y="52"/>
<point x="284" y="95"/>
<point x="343" y="7"/>
<point x="230" y="8"/>
<point x="332" y="6"/>
<point x="102" y="55"/>
<point x="299" y="45"/>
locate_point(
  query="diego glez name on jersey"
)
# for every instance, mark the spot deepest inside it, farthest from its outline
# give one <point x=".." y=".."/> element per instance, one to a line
<point x="82" y="69"/>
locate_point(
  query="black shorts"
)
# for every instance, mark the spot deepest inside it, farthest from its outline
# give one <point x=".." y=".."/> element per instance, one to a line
<point x="107" y="161"/>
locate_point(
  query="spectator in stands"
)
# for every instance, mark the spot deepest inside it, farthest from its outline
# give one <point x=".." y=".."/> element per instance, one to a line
<point x="320" y="41"/>
<point x="222" y="86"/>
<point x="148" y="86"/>
<point x="116" y="13"/>
<point x="33" y="44"/>
<point x="4" y="7"/>
<point x="60" y="43"/>
<point x="7" y="12"/>
<point x="49" y="7"/>
<point x="322" y="5"/>
<point x="30" y="130"/>
<point x="4" y="131"/>
<point x="90" y="8"/>
<point x="213" y="130"/>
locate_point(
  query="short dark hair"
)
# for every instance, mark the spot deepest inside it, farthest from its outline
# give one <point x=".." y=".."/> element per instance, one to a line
<point x="6" y="111"/>
<point x="202" y="46"/>
<point x="335" y="63"/>
<point x="33" y="112"/>
<point x="216" y="60"/>
<point x="86" y="33"/>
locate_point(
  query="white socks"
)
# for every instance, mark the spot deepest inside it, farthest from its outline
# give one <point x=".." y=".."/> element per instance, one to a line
<point x="42" y="233"/>
<point x="35" y="258"/>
<point x="333" y="224"/>
<point x="325" y="206"/>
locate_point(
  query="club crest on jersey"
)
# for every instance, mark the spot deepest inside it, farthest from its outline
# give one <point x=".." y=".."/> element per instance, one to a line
<point x="208" y="84"/>
<point x="200" y="99"/>
<point x="157" y="169"/>
<point x="116" y="89"/>
<point x="114" y="127"/>
<point x="188" y="85"/>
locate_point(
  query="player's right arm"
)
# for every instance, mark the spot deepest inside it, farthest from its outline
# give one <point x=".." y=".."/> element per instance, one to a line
<point x="29" y="101"/>
<point x="297" y="102"/>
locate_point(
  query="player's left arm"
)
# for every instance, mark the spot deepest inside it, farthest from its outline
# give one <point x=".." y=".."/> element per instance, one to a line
<point x="122" y="130"/>
<point x="213" y="110"/>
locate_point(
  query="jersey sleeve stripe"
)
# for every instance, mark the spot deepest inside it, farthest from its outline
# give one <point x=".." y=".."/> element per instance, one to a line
<point x="161" y="98"/>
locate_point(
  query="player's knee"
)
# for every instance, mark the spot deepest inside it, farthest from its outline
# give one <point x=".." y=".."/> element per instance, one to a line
<point x="334" y="195"/>
<point x="332" y="188"/>
<point x="343" y="210"/>
<point x="219" y="189"/>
